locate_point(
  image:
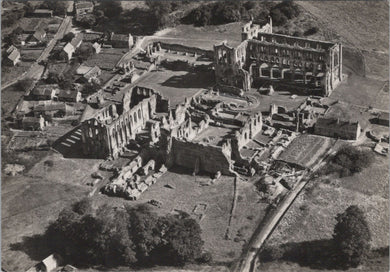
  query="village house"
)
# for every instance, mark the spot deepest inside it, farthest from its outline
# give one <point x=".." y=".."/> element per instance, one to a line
<point x="92" y="74"/>
<point x="52" y="28"/>
<point x="92" y="36"/>
<point x="337" y="128"/>
<point x="97" y="47"/>
<point x="49" y="264"/>
<point x="83" y="8"/>
<point x="32" y="123"/>
<point x="13" y="56"/>
<point x="69" y="96"/>
<point x="36" y="38"/>
<point x="77" y="40"/>
<point x="67" y="52"/>
<point x="382" y="119"/>
<point x="121" y="40"/>
<point x="42" y="13"/>
<point x="44" y="92"/>
<point x="51" y="110"/>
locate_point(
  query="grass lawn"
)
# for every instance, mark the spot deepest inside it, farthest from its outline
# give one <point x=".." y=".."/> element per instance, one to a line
<point x="176" y="85"/>
<point x="9" y="98"/>
<point x="9" y="73"/>
<point x="360" y="91"/>
<point x="188" y="192"/>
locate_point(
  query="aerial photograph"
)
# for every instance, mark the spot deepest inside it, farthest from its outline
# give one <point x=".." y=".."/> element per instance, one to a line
<point x="195" y="136"/>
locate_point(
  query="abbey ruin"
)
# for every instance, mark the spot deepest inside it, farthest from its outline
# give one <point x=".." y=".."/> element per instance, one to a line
<point x="278" y="58"/>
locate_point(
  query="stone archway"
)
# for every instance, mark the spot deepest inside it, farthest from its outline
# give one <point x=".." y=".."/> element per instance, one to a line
<point x="265" y="70"/>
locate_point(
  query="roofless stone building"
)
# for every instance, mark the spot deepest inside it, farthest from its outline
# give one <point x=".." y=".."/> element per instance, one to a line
<point x="265" y="56"/>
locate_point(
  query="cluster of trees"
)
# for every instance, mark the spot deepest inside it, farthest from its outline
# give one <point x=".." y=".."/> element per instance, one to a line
<point x="283" y="11"/>
<point x="352" y="237"/>
<point x="349" y="160"/>
<point x="58" y="7"/>
<point x="102" y="14"/>
<point x="124" y="237"/>
<point x="223" y="12"/>
<point x="349" y="247"/>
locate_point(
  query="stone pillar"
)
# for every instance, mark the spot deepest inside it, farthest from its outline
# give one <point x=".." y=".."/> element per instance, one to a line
<point x="340" y="62"/>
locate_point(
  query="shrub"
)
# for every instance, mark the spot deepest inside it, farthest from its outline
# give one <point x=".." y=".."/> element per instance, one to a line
<point x="205" y="258"/>
<point x="68" y="37"/>
<point x="278" y="18"/>
<point x="352" y="237"/>
<point x="311" y="31"/>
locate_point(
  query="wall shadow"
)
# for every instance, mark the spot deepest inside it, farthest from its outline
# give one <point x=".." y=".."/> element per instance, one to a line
<point x="191" y="80"/>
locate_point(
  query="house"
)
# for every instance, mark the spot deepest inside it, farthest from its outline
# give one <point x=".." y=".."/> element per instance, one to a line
<point x="51" y="110"/>
<point x="92" y="36"/>
<point x="77" y="40"/>
<point x="121" y="40"/>
<point x="97" y="47"/>
<point x="67" y="52"/>
<point x="44" y="92"/>
<point x="13" y="56"/>
<point x="69" y="268"/>
<point x="49" y="264"/>
<point x="36" y="38"/>
<point x="83" y="7"/>
<point x="382" y="119"/>
<point x="52" y="28"/>
<point x="92" y="74"/>
<point x="42" y="13"/>
<point x="69" y="96"/>
<point x="32" y="123"/>
<point x="337" y="128"/>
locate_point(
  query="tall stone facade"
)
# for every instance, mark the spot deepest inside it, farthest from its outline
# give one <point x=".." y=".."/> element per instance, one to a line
<point x="107" y="134"/>
<point x="263" y="55"/>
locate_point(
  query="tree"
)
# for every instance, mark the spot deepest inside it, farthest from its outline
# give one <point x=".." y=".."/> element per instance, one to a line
<point x="83" y="206"/>
<point x="68" y="37"/>
<point x="352" y="236"/>
<point x="88" y="21"/>
<point x="58" y="7"/>
<point x="25" y="84"/>
<point x="111" y="9"/>
<point x="90" y="88"/>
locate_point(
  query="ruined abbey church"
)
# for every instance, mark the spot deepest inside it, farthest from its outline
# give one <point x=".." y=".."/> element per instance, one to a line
<point x="264" y="56"/>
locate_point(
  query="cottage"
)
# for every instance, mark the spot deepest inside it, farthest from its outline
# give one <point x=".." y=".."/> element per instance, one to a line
<point x="32" y="123"/>
<point x="337" y="128"/>
<point x="42" y="13"/>
<point x="67" y="52"/>
<point x="77" y="40"/>
<point x="383" y="119"/>
<point x="36" y="38"/>
<point x="92" y="74"/>
<point x="13" y="56"/>
<point x="69" y="96"/>
<point x="58" y="110"/>
<point x="83" y="7"/>
<point x="49" y="264"/>
<point x="44" y="92"/>
<point x="121" y="40"/>
<point x="97" y="47"/>
<point x="92" y="36"/>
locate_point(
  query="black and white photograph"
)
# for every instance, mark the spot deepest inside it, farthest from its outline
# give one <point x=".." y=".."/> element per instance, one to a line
<point x="195" y="136"/>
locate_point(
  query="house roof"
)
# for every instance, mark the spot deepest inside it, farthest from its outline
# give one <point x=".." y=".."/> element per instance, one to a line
<point x="76" y="40"/>
<point x="96" y="45"/>
<point x="337" y="124"/>
<point x="68" y="48"/>
<point x="43" y="11"/>
<point x="68" y="94"/>
<point x="51" y="262"/>
<point x="93" y="72"/>
<point x="14" y="55"/>
<point x="83" y="69"/>
<point x="383" y="116"/>
<point x="120" y="37"/>
<point x="92" y="36"/>
<point x="84" y="4"/>
<point x="46" y="90"/>
<point x="39" y="34"/>
<point x="11" y="49"/>
<point x="31" y="120"/>
<point x="50" y="107"/>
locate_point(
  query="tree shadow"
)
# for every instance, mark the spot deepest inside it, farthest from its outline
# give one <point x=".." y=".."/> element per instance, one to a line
<point x="36" y="246"/>
<point x="317" y="254"/>
<point x="191" y="80"/>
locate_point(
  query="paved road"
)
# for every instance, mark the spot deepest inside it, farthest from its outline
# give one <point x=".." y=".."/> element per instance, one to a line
<point x="248" y="258"/>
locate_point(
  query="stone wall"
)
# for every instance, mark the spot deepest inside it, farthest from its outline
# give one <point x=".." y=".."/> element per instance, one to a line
<point x="206" y="158"/>
<point x="187" y="49"/>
